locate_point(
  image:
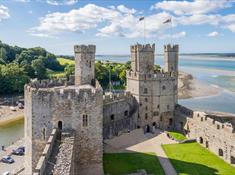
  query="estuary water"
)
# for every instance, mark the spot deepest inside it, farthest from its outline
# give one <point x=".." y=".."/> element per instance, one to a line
<point x="214" y="69"/>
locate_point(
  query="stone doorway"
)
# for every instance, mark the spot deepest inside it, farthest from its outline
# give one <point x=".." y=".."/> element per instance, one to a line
<point x="60" y="125"/>
<point x="147" y="128"/>
<point x="221" y="152"/>
<point x="201" y="140"/>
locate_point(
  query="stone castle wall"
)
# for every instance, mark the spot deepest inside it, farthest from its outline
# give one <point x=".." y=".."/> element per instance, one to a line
<point x="46" y="107"/>
<point x="119" y="114"/>
<point x="213" y="131"/>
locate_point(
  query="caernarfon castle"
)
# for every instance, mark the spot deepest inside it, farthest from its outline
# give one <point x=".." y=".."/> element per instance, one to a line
<point x="79" y="109"/>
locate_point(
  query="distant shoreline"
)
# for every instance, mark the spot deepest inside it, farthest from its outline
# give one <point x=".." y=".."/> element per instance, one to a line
<point x="190" y="87"/>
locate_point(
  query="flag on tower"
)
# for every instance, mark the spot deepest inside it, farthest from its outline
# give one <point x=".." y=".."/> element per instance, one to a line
<point x="167" y="21"/>
<point x="141" y="18"/>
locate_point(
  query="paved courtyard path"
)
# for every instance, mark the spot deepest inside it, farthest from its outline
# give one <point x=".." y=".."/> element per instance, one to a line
<point x="137" y="141"/>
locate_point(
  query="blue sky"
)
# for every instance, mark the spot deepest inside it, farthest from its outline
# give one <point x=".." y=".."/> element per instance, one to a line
<point x="113" y="25"/>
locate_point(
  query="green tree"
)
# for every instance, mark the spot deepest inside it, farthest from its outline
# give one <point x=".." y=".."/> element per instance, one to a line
<point x="69" y="70"/>
<point x="39" y="69"/>
<point x="12" y="78"/>
<point x="3" y="56"/>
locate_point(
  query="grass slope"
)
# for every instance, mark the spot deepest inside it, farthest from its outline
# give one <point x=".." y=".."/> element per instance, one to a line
<point x="177" y="135"/>
<point x="193" y="159"/>
<point x="123" y="163"/>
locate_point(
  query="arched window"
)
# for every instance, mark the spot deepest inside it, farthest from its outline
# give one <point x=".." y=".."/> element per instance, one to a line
<point x="170" y="121"/>
<point x="60" y="125"/>
<point x="146" y="116"/>
<point x="112" y="117"/>
<point x="84" y="120"/>
<point x="145" y="90"/>
<point x="44" y="134"/>
<point x="126" y="113"/>
<point x="201" y="140"/>
<point x="221" y="152"/>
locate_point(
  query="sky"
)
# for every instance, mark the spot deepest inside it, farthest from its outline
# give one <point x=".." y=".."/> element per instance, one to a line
<point x="198" y="26"/>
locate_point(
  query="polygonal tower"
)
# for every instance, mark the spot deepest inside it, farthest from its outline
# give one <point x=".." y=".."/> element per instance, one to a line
<point x="84" y="64"/>
<point x="171" y="55"/>
<point x="142" y="58"/>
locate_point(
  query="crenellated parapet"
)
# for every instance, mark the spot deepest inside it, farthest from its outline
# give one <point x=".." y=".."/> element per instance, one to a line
<point x="143" y="48"/>
<point x="112" y="97"/>
<point x="171" y="48"/>
<point x="84" y="48"/>
<point x="220" y="123"/>
<point x="150" y="76"/>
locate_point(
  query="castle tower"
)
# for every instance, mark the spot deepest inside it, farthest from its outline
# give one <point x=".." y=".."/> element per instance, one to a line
<point x="142" y="58"/>
<point x="171" y="55"/>
<point x="84" y="64"/>
<point x="155" y="92"/>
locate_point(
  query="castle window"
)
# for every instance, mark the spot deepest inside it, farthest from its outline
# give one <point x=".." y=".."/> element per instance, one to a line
<point x="170" y="121"/>
<point x="146" y="108"/>
<point x="146" y="99"/>
<point x="126" y="113"/>
<point x="146" y="116"/>
<point x="218" y="126"/>
<point x="60" y="125"/>
<point x="221" y="152"/>
<point x="44" y="134"/>
<point x="163" y="87"/>
<point x="145" y="90"/>
<point x="198" y="115"/>
<point x="84" y="120"/>
<point x="158" y="106"/>
<point x="112" y="117"/>
<point x="201" y="119"/>
<point x="155" y="113"/>
<point x="140" y="104"/>
<point x="201" y="140"/>
<point x="232" y="160"/>
<point x="161" y="118"/>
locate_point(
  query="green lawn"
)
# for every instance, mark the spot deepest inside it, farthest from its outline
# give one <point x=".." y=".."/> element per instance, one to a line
<point x="64" y="61"/>
<point x="122" y="163"/>
<point x="193" y="159"/>
<point x="177" y="135"/>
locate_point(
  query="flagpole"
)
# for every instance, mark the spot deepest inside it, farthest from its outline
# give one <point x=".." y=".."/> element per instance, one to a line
<point x="144" y="31"/>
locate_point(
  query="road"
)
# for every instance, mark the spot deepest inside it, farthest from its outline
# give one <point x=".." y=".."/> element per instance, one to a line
<point x="19" y="160"/>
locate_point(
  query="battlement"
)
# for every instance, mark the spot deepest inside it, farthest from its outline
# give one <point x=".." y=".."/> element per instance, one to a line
<point x="84" y="48"/>
<point x="217" y="121"/>
<point x="171" y="48"/>
<point x="112" y="97"/>
<point x="143" y="48"/>
<point x="150" y="76"/>
<point x="51" y="83"/>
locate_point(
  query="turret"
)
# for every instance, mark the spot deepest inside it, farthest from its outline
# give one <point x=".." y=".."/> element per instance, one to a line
<point x="84" y="64"/>
<point x="142" y="58"/>
<point x="171" y="55"/>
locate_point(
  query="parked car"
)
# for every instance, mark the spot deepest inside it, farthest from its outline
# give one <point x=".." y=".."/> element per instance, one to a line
<point x="7" y="159"/>
<point x="6" y="173"/>
<point x="19" y="151"/>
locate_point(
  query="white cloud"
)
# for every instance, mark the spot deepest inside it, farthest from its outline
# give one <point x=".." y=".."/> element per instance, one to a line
<point x="176" y="35"/>
<point x="213" y="34"/>
<point x="192" y="7"/>
<point x="123" y="9"/>
<point x="61" y="2"/>
<point x="231" y="27"/>
<point x="4" y="12"/>
<point x="124" y="22"/>
<point x="30" y="12"/>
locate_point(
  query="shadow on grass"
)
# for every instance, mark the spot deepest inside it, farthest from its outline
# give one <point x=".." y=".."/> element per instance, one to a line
<point x="124" y="163"/>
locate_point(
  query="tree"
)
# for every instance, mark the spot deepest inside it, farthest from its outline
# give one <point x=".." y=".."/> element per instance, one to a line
<point x="39" y="69"/>
<point x="12" y="78"/>
<point x="69" y="70"/>
<point x="3" y="56"/>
